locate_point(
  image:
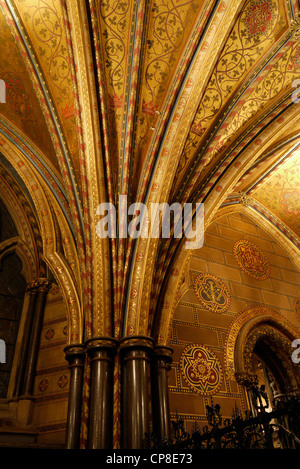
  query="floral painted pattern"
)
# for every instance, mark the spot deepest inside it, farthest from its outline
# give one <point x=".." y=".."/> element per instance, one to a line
<point x="201" y="369"/>
<point x="259" y="17"/>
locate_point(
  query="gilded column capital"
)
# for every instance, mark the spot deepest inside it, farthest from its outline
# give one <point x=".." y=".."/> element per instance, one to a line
<point x="32" y="287"/>
<point x="39" y="284"/>
<point x="137" y="342"/>
<point x="246" y="379"/>
<point x="74" y="351"/>
<point x="101" y="343"/>
<point x="43" y="284"/>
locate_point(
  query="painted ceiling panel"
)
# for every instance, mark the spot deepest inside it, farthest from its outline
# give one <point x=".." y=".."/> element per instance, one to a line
<point x="22" y="108"/>
<point x="255" y="33"/>
<point x="280" y="192"/>
<point x="46" y="31"/>
<point x="181" y="96"/>
<point x="173" y="30"/>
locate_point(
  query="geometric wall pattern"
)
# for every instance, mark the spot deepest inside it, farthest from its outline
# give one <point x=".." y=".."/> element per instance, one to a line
<point x="251" y="259"/>
<point x="201" y="369"/>
<point x="212" y="293"/>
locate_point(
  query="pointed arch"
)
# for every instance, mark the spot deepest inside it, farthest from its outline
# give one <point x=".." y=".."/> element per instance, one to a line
<point x="241" y="327"/>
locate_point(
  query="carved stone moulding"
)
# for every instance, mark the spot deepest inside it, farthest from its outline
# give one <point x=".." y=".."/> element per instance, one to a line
<point x="246" y="379"/>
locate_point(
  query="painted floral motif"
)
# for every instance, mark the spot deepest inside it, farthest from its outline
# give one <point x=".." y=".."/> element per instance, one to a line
<point x="290" y="201"/>
<point x="251" y="35"/>
<point x="296" y="60"/>
<point x="16" y="95"/>
<point x="259" y="17"/>
<point x="201" y="369"/>
<point x="212" y="293"/>
<point x="251" y="259"/>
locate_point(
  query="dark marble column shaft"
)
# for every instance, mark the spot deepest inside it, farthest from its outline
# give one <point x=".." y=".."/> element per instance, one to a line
<point x="160" y="394"/>
<point x="136" y="354"/>
<point x="32" y="292"/>
<point x="75" y="355"/>
<point x="102" y="351"/>
<point x="43" y="288"/>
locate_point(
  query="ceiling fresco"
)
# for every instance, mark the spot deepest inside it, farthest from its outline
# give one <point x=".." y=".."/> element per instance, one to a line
<point x="279" y="192"/>
<point x="22" y="111"/>
<point x="159" y="100"/>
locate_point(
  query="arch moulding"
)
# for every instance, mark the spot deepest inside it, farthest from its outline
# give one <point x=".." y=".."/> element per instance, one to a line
<point x="245" y="323"/>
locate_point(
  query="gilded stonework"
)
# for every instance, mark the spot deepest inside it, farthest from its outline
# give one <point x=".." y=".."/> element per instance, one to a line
<point x="251" y="259"/>
<point x="201" y="369"/>
<point x="212" y="293"/>
<point x="250" y="318"/>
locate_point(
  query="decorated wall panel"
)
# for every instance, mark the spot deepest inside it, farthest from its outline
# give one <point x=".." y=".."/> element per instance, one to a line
<point x="221" y="285"/>
<point x="52" y="375"/>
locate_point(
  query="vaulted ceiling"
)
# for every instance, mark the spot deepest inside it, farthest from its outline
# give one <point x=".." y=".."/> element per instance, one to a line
<point x="159" y="100"/>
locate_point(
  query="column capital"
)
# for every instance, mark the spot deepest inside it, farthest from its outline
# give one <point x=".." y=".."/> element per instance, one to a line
<point x="39" y="284"/>
<point x="137" y="342"/>
<point x="164" y="352"/>
<point x="32" y="287"/>
<point x="246" y="379"/>
<point x="101" y="343"/>
<point x="74" y="351"/>
<point x="43" y="284"/>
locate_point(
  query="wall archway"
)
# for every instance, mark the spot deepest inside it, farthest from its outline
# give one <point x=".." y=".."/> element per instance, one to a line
<point x="247" y="328"/>
<point x="273" y="347"/>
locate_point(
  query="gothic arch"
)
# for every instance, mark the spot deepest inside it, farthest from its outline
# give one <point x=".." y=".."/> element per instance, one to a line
<point x="214" y="198"/>
<point x="266" y="224"/>
<point x="247" y="328"/>
<point x="274" y="343"/>
<point x="63" y="265"/>
<point x="18" y="246"/>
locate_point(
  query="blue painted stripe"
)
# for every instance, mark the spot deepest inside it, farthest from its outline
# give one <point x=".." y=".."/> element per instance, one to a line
<point x="129" y="90"/>
<point x="230" y="109"/>
<point x="53" y="115"/>
<point x="59" y="201"/>
<point x="181" y="88"/>
<point x="274" y="166"/>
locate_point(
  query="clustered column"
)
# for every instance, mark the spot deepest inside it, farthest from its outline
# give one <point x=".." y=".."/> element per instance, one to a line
<point x="43" y="286"/>
<point x="102" y="351"/>
<point x="160" y="405"/>
<point x="144" y="372"/>
<point x="37" y="292"/>
<point x="75" y="355"/>
<point x="136" y="355"/>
